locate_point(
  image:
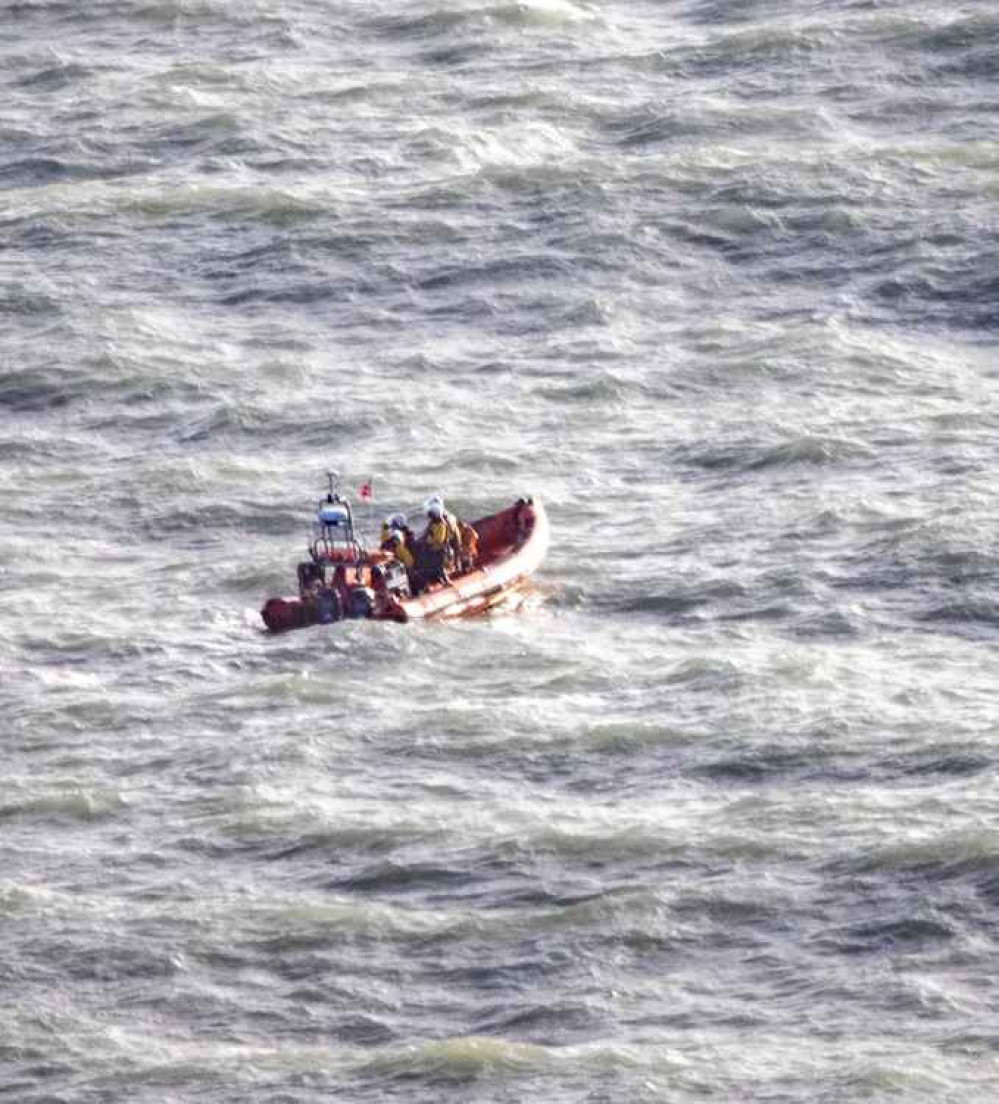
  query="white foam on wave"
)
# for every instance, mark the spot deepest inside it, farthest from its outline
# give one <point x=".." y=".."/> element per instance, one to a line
<point x="552" y="11"/>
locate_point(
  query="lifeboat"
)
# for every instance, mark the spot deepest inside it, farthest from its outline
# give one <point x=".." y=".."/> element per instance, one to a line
<point x="343" y="580"/>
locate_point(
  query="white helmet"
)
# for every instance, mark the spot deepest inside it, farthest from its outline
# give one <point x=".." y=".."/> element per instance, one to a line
<point x="435" y="510"/>
<point x="396" y="521"/>
<point x="433" y="500"/>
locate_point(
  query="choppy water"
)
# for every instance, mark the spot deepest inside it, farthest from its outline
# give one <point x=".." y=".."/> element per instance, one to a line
<point x="715" y="278"/>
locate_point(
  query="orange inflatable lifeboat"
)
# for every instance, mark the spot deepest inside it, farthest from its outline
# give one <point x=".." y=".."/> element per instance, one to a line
<point x="342" y="580"/>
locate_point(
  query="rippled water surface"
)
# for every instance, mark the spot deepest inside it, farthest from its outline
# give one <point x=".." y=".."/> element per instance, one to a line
<point x="717" y="819"/>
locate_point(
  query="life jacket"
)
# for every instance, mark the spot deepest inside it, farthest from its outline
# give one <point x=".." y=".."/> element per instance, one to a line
<point x="385" y="540"/>
<point x="438" y="533"/>
<point x="469" y="541"/>
<point x="453" y="534"/>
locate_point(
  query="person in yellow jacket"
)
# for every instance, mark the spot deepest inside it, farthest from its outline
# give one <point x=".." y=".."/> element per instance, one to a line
<point x="438" y="533"/>
<point x="469" y="545"/>
<point x="397" y="544"/>
<point x="436" y="511"/>
<point x="395" y="523"/>
<point x="442" y="541"/>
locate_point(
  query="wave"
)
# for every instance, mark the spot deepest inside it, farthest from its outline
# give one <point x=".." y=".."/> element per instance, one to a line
<point x="505" y="270"/>
<point x="30" y="305"/>
<point x="277" y="207"/>
<point x="947" y="854"/>
<point x="908" y="934"/>
<point x="43" y="172"/>
<point x="963" y="34"/>
<point x="200" y="15"/>
<point x="544" y="13"/>
<point x="982" y="611"/>
<point x="763" y="765"/>
<point x="53" y="78"/>
<point x="960" y="295"/>
<point x="297" y="926"/>
<point x="752" y="456"/>
<point x="477" y="1060"/>
<point x="946" y="572"/>
<point x="75" y="804"/>
<point x="558" y="1023"/>
<point x="441" y="22"/>
<point x="954" y="764"/>
<point x="31" y="390"/>
<point x="468" y="1058"/>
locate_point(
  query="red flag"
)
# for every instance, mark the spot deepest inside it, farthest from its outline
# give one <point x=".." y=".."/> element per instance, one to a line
<point x="366" y="493"/>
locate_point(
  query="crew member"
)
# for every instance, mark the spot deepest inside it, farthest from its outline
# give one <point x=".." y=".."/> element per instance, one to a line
<point x="437" y="546"/>
<point x="469" y="545"/>
<point x="397" y="544"/>
<point x="438" y="533"/>
<point x="395" y="522"/>
<point x="524" y="519"/>
<point x="449" y="519"/>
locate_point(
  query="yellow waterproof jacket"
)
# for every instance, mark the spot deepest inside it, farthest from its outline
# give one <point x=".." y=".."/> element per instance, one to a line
<point x="403" y="554"/>
<point x="438" y="533"/>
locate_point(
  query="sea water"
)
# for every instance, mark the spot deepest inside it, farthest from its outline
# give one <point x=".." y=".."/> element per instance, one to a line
<point x="716" y="821"/>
